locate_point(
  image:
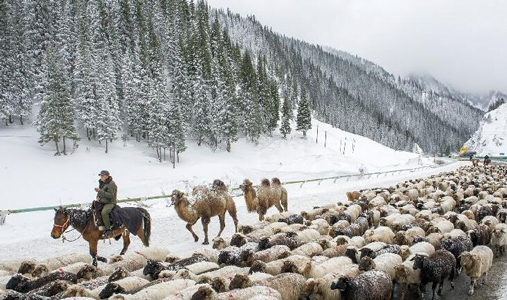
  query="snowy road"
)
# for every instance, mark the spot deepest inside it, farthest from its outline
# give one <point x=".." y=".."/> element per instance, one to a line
<point x="28" y="235"/>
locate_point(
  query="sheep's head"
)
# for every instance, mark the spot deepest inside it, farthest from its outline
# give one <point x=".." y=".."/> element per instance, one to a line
<point x="17" y="282"/>
<point x="75" y="291"/>
<point x="219" y="243"/>
<point x="27" y="267"/>
<point x="177" y="197"/>
<point x="366" y="264"/>
<point x="404" y="252"/>
<point x="245" y="229"/>
<point x="399" y="238"/>
<point x="110" y="289"/>
<point x="473" y="236"/>
<point x="239" y="281"/>
<point x="87" y="272"/>
<point x="263" y="243"/>
<point x="420" y="261"/>
<point x="119" y="273"/>
<point x="341" y="284"/>
<point x="467" y="259"/>
<point x="401" y="271"/>
<point x="289" y="267"/>
<point x="225" y="257"/>
<point x="204" y="292"/>
<point x="171" y="258"/>
<point x="57" y="286"/>
<point x="247" y="257"/>
<point x="238" y="240"/>
<point x="153" y="268"/>
<point x="40" y="271"/>
<point x="219" y="285"/>
<point x="310" y="287"/>
<point x="276" y="181"/>
<point x="351" y="253"/>
<point x="342" y="240"/>
<point x="257" y="266"/>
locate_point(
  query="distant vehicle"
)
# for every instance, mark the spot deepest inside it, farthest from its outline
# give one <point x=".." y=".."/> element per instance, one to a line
<point x="467" y="155"/>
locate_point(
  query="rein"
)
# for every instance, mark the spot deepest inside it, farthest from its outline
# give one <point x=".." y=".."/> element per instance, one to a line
<point x="66" y="225"/>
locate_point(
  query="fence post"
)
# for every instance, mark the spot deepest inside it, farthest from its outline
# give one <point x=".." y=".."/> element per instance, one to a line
<point x="317" y="138"/>
<point x="325" y="139"/>
<point x="3" y="216"/>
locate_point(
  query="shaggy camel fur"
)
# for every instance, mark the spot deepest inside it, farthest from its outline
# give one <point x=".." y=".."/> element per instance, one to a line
<point x="265" y="197"/>
<point x="276" y="184"/>
<point x="208" y="203"/>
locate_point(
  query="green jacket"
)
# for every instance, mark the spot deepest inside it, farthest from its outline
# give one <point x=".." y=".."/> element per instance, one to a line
<point x="108" y="191"/>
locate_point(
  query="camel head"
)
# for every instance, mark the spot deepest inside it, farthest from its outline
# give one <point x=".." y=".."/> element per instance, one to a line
<point x="219" y="185"/>
<point x="247" y="184"/>
<point x="177" y="197"/>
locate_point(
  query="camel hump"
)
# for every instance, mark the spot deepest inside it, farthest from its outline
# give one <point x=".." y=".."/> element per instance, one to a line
<point x="265" y="182"/>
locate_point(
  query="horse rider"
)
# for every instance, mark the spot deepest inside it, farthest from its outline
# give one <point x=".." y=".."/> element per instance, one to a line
<point x="106" y="194"/>
<point x="487" y="160"/>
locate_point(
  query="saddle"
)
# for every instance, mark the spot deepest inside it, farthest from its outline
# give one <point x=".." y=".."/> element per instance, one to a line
<point x="129" y="217"/>
<point x="97" y="217"/>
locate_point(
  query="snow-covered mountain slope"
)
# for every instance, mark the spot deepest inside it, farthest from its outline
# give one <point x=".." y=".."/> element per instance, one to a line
<point x="37" y="178"/>
<point x="491" y="137"/>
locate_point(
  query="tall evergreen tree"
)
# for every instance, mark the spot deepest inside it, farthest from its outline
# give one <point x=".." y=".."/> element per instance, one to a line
<point x="304" y="116"/>
<point x="285" y="128"/>
<point x="56" y="116"/>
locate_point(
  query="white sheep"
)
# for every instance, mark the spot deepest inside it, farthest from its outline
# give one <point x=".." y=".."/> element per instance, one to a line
<point x="57" y="262"/>
<point x="275" y="267"/>
<point x="205" y="292"/>
<point x="187" y="293"/>
<point x="320" y="270"/>
<point x="499" y="238"/>
<point x="158" y="291"/>
<point x="401" y="221"/>
<point x="12" y="266"/>
<point x="308" y="235"/>
<point x="292" y="228"/>
<point x="79" y="291"/>
<point x="246" y="229"/>
<point x="202" y="267"/>
<point x="126" y="285"/>
<point x="442" y="227"/>
<point x="385" y="262"/>
<point x="454" y="233"/>
<point x="321" y="287"/>
<point x="406" y="275"/>
<point x="210" y="254"/>
<point x="321" y="225"/>
<point x="276" y="217"/>
<point x="418" y="248"/>
<point x="477" y="264"/>
<point x="308" y="249"/>
<point x="379" y="234"/>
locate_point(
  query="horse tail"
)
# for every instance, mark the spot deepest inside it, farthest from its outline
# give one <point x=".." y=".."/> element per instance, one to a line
<point x="147" y="226"/>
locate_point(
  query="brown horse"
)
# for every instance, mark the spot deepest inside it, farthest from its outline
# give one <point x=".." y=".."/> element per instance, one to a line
<point x="82" y="221"/>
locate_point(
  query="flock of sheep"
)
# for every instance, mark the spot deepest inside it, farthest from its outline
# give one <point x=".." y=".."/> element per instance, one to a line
<point x="417" y="232"/>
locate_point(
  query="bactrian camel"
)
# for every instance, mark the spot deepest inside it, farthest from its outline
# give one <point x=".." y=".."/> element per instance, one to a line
<point x="267" y="195"/>
<point x="207" y="203"/>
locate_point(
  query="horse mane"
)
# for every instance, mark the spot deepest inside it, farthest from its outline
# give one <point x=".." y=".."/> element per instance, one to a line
<point x="79" y="217"/>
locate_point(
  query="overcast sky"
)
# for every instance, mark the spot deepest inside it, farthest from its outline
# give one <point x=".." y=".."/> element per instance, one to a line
<point x="460" y="42"/>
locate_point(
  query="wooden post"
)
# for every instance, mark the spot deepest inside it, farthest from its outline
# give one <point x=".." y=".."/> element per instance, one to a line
<point x="325" y="139"/>
<point x="3" y="216"/>
<point x="174" y="156"/>
<point x="317" y="138"/>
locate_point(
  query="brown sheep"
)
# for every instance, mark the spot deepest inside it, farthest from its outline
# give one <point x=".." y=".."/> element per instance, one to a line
<point x="208" y="203"/>
<point x="261" y="200"/>
<point x="353" y="196"/>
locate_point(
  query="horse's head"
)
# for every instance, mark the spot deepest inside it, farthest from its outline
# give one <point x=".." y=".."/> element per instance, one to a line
<point x="61" y="222"/>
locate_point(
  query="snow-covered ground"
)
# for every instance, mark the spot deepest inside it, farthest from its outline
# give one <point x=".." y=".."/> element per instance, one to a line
<point x="491" y="137"/>
<point x="32" y="176"/>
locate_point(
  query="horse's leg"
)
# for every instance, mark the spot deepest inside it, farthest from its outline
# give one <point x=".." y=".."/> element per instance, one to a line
<point x="222" y="223"/>
<point x="205" y="221"/>
<point x="189" y="228"/>
<point x="126" y="241"/>
<point x="93" y="251"/>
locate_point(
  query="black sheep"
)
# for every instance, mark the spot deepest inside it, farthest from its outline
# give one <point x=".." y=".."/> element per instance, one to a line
<point x="457" y="246"/>
<point x="153" y="268"/>
<point x="23" y="284"/>
<point x="482" y="212"/>
<point x="357" y="228"/>
<point x="480" y="235"/>
<point x="293" y="219"/>
<point x="289" y="239"/>
<point x="370" y="285"/>
<point x="436" y="268"/>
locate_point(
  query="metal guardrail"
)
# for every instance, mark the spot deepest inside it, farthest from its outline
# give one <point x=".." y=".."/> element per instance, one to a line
<point x="302" y="182"/>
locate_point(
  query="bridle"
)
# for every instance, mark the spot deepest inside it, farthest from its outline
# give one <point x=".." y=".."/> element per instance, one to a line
<point x="64" y="227"/>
